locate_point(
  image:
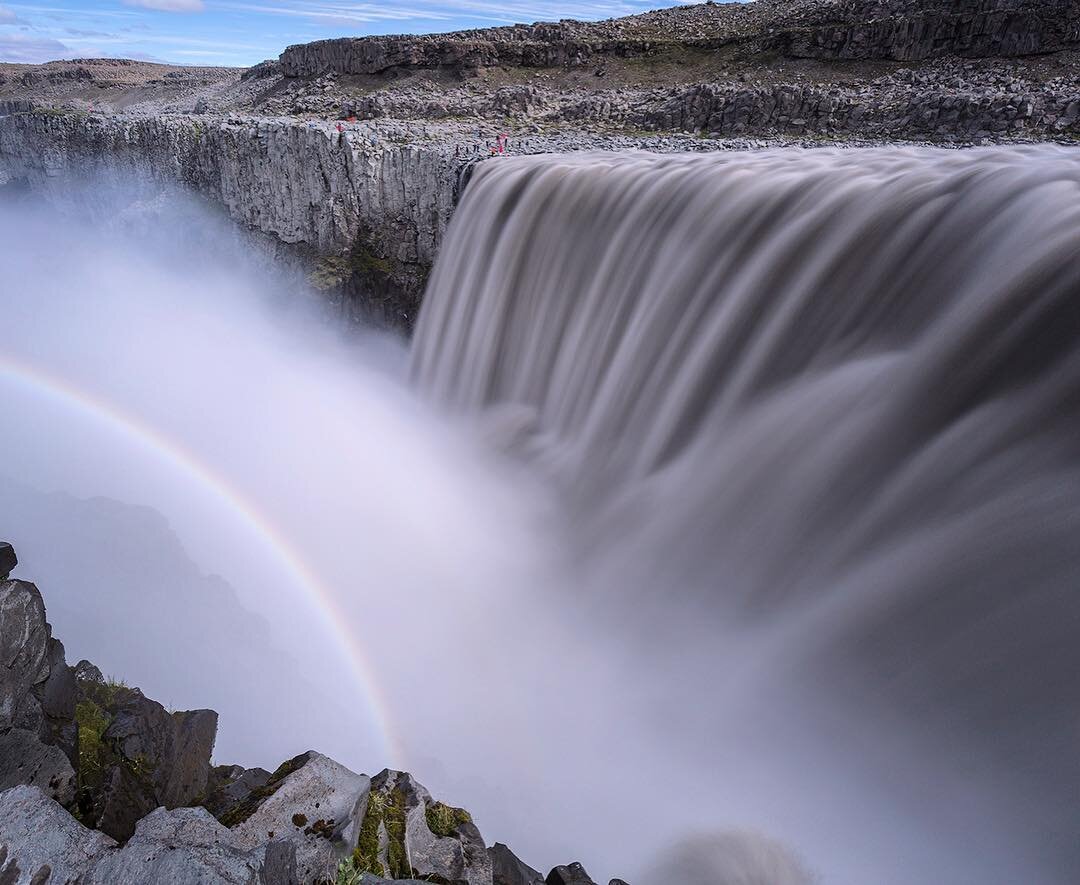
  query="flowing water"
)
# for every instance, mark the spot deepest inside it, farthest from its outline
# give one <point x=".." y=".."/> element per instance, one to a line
<point x="813" y="420"/>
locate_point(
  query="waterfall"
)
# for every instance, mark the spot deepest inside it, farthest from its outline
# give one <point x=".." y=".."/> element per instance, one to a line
<point x="814" y="416"/>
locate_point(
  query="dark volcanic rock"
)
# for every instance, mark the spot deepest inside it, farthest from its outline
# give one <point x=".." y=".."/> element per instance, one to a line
<point x="571" y="874"/>
<point x="8" y="559"/>
<point x="230" y="785"/>
<point x="143" y="756"/>
<point x="26" y="760"/>
<point x="507" y="869"/>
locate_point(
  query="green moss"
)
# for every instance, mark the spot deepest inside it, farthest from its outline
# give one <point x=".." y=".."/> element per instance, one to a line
<point x="93" y="753"/>
<point x="241" y="811"/>
<point x="443" y="820"/>
<point x="365" y="857"/>
<point x="394" y="821"/>
<point x="348" y="873"/>
<point x="329" y="273"/>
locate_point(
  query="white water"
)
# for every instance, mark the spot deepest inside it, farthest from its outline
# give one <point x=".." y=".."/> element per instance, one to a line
<point x="815" y="419"/>
<point x="785" y="542"/>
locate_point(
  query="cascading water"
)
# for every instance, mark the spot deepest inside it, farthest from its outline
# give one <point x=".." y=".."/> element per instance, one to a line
<point x="814" y="417"/>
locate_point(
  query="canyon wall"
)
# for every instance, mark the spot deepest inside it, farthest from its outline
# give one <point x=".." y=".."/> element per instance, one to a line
<point x="898" y="30"/>
<point x="368" y="213"/>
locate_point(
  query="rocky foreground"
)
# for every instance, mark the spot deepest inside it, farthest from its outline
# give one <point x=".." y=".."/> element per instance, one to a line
<point x="103" y="786"/>
<point x="352" y="153"/>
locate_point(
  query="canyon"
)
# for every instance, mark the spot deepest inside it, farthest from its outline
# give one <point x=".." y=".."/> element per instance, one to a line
<point x="349" y="155"/>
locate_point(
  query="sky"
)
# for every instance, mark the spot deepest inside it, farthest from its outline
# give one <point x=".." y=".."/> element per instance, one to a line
<point x="244" y="32"/>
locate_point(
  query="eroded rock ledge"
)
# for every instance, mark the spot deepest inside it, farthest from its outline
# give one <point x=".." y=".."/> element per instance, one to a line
<point x="101" y="785"/>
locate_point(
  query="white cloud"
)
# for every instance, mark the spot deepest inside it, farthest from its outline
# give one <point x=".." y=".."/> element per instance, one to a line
<point x="8" y="16"/>
<point x="169" y="5"/>
<point x="31" y="50"/>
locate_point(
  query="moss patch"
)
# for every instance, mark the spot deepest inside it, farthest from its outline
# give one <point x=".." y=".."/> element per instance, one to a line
<point x="93" y="753"/>
<point x="388" y="810"/>
<point x="444" y="820"/>
<point x="246" y="807"/>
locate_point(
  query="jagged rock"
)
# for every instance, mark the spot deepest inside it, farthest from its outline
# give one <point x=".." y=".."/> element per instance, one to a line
<point x="311" y="801"/>
<point x="145" y="755"/>
<point x="406" y="832"/>
<point x="229" y="785"/>
<point x="35" y="832"/>
<point x="571" y="874"/>
<point x="24" y="647"/>
<point x="24" y="759"/>
<point x="185" y="846"/>
<point x="85" y="672"/>
<point x="507" y="869"/>
<point x="8" y="559"/>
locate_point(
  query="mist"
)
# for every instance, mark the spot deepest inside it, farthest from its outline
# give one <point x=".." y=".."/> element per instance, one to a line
<point x="231" y="499"/>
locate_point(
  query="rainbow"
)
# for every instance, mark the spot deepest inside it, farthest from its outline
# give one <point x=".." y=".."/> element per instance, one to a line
<point x="40" y="381"/>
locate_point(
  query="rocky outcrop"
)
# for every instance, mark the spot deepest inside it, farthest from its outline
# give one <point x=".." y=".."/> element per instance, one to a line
<point x="8" y="560"/>
<point x="571" y="874"/>
<point x="313" y="803"/>
<point x="143" y="776"/>
<point x="187" y="845"/>
<point x="37" y="834"/>
<point x="373" y="209"/>
<point x="508" y="869"/>
<point x="137" y="756"/>
<point x="903" y="30"/>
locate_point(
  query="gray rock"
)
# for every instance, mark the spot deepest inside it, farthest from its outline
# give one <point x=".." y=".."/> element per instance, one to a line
<point x="438" y="842"/>
<point x="24" y="759"/>
<point x="312" y="802"/>
<point x="229" y="785"/>
<point x="8" y="559"/>
<point x="571" y="874"/>
<point x="507" y="869"/>
<point x="35" y="832"/>
<point x="185" y="846"/>
<point x="149" y="757"/>
<point x="24" y="648"/>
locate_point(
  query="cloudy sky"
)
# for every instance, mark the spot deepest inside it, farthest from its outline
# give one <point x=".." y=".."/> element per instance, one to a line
<point x="243" y="32"/>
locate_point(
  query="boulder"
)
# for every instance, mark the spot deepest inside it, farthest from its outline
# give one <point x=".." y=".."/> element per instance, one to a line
<point x="137" y="755"/>
<point x="24" y="759"/>
<point x="36" y="833"/>
<point x="311" y="801"/>
<point x="405" y="832"/>
<point x="228" y="785"/>
<point x="8" y="559"/>
<point x="507" y="869"/>
<point x="24" y="649"/>
<point x="185" y="846"/>
<point x="571" y="874"/>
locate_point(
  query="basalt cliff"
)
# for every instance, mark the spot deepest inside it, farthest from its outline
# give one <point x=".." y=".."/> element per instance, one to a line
<point x="349" y="155"/>
<point x="101" y="785"/>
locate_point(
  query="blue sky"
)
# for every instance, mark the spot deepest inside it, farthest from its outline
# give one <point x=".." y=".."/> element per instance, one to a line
<point x="243" y="32"/>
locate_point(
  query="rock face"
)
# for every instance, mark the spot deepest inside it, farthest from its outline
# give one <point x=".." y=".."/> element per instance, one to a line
<point x="507" y="869"/>
<point x="186" y="846"/>
<point x="137" y="756"/>
<point x="26" y="760"/>
<point x="890" y="29"/>
<point x="405" y="832"/>
<point x="8" y="560"/>
<point x="36" y="832"/>
<point x="311" y="802"/>
<point x="571" y="874"/>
